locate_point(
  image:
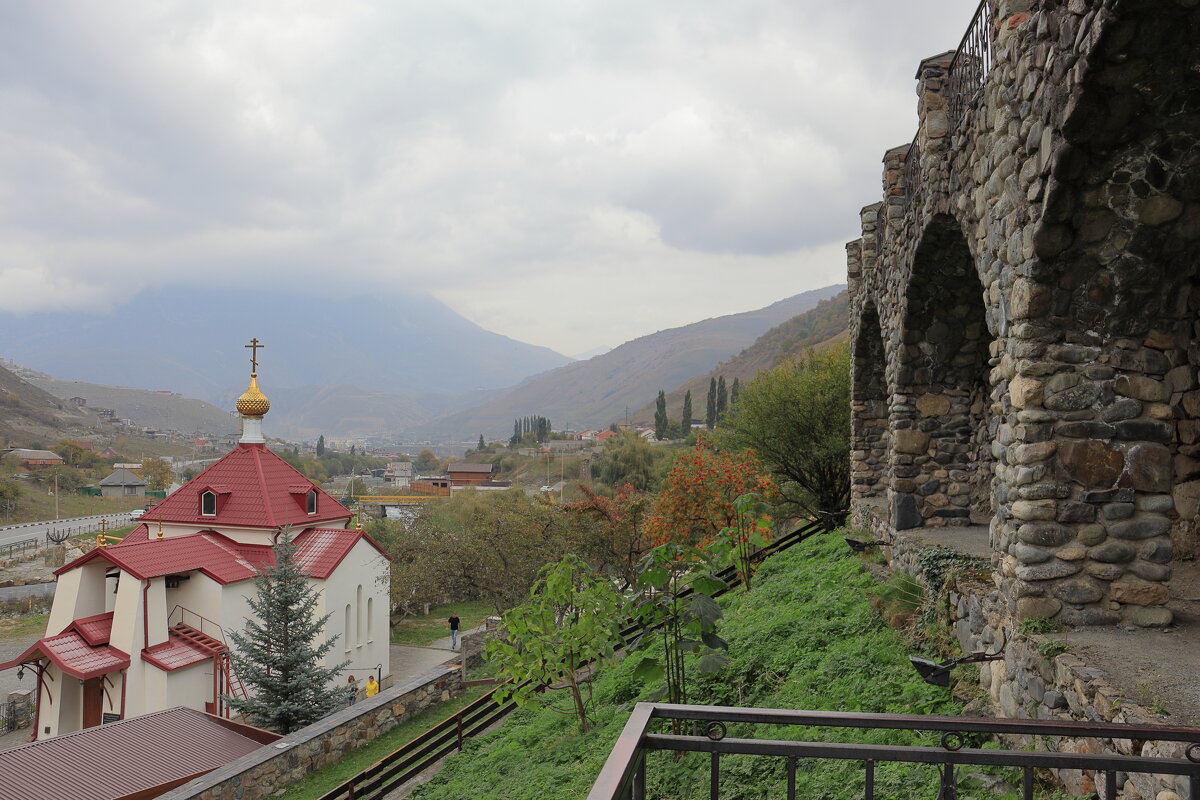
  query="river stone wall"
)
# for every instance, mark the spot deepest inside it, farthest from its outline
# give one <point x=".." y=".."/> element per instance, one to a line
<point x="1025" y="301"/>
<point x="270" y="768"/>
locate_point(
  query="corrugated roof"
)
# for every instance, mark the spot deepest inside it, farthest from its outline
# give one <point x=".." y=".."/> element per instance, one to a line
<point x="122" y="477"/>
<point x="95" y="630"/>
<point x="113" y="761"/>
<point x="175" y="653"/>
<point x="71" y="653"/>
<point x="319" y="551"/>
<point x="255" y="490"/>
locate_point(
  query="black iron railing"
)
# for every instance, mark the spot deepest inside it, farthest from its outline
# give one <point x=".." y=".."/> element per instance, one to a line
<point x="971" y="64"/>
<point x="13" y="548"/>
<point x="401" y="766"/>
<point x="624" y="774"/>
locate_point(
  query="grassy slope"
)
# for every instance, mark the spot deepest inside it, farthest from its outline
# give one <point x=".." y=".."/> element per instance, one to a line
<point x="806" y="638"/>
<point x="423" y="630"/>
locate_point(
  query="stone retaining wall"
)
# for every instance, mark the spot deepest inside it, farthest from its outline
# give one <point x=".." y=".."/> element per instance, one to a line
<point x="1029" y="685"/>
<point x="271" y="767"/>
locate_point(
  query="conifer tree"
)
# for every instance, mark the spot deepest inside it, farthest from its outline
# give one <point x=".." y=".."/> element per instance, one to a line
<point x="660" y="416"/>
<point x="516" y="437"/>
<point x="734" y="392"/>
<point x="279" y="655"/>
<point x="722" y="398"/>
<point x="710" y="413"/>
<point x="482" y="446"/>
<point x="686" y="421"/>
<point x="320" y="445"/>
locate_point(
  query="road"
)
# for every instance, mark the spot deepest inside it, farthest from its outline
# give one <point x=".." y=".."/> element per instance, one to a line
<point x="77" y="525"/>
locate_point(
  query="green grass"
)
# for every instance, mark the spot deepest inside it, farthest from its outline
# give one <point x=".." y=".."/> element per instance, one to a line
<point x="423" y="630"/>
<point x="321" y="781"/>
<point x="37" y="506"/>
<point x="23" y="626"/>
<point x="806" y="638"/>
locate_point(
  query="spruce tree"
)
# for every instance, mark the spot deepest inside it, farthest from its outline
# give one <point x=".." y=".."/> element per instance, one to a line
<point x="722" y="398"/>
<point x="660" y="416"/>
<point x="710" y="413"/>
<point x="482" y="446"/>
<point x="279" y="655"/>
<point x="686" y="421"/>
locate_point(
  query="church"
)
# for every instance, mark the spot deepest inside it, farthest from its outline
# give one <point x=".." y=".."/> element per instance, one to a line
<point x="139" y="626"/>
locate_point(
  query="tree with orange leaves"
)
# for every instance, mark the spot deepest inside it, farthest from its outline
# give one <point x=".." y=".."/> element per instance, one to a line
<point x="611" y="533"/>
<point x="697" y="499"/>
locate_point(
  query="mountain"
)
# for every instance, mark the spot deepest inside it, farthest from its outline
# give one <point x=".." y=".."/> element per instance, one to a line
<point x="143" y="407"/>
<point x="189" y="340"/>
<point x="596" y="392"/>
<point x="829" y="322"/>
<point x="31" y="416"/>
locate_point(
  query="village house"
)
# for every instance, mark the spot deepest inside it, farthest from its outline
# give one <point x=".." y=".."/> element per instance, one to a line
<point x="34" y="458"/>
<point x="467" y="474"/>
<point x="139" y="626"/>
<point x="122" y="483"/>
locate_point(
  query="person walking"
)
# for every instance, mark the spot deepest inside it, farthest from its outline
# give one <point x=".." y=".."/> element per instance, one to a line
<point x="351" y="691"/>
<point x="372" y="687"/>
<point x="453" y="631"/>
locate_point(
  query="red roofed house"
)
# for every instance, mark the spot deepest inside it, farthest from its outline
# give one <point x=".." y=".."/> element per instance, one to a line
<point x="139" y="626"/>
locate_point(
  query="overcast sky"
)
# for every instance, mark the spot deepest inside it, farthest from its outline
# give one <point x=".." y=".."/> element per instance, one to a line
<point x="571" y="173"/>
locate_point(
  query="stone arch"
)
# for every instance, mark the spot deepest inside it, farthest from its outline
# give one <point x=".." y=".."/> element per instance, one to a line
<point x="869" y="437"/>
<point x="942" y="462"/>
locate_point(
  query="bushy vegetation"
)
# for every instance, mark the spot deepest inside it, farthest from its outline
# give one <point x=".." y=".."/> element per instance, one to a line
<point x="806" y="638"/>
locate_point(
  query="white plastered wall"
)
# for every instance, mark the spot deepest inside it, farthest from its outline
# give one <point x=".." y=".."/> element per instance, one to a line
<point x="366" y="644"/>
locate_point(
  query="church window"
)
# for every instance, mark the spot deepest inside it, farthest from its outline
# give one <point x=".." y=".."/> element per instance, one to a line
<point x="369" y="603"/>
<point x="312" y="501"/>
<point x="208" y="504"/>
<point x="358" y="616"/>
<point x="347" y="628"/>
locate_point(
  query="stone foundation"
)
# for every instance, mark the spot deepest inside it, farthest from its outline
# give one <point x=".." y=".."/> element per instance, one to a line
<point x="274" y="766"/>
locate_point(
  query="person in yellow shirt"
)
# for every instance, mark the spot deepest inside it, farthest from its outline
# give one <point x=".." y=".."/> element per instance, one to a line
<point x="372" y="687"/>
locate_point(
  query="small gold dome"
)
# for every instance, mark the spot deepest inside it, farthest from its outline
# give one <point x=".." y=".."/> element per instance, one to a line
<point x="253" y="403"/>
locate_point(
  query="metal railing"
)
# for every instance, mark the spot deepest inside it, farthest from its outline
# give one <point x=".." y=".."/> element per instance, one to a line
<point x="186" y="616"/>
<point x="971" y="64"/>
<point x="402" y="765"/>
<point x="624" y="774"/>
<point x="12" y="548"/>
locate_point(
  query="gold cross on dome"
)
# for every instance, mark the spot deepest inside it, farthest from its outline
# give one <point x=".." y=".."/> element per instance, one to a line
<point x="254" y="345"/>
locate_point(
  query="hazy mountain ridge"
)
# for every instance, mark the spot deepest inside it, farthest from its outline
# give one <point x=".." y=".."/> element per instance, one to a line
<point x="29" y="414"/>
<point x="173" y="339"/>
<point x="821" y="326"/>
<point x="593" y="393"/>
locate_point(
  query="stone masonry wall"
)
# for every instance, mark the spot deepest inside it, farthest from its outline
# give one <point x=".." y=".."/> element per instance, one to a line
<point x="1025" y="306"/>
<point x="266" y="770"/>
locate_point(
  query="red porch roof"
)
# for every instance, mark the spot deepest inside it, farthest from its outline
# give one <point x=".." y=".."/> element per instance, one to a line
<point x="71" y="653"/>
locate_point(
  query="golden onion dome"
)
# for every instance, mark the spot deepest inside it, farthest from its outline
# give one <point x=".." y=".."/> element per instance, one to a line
<point x="253" y="403"/>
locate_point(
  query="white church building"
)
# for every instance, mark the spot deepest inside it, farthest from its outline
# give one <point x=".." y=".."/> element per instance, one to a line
<point x="140" y="625"/>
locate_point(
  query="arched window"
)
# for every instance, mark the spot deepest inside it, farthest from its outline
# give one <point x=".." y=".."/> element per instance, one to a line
<point x="358" y="609"/>
<point x="346" y="628"/>
<point x="370" y="602"/>
<point x="312" y="501"/>
<point x="208" y="504"/>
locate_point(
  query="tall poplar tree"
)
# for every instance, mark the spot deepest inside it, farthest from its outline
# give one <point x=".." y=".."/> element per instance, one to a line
<point x="722" y="398"/>
<point x="710" y="413"/>
<point x="686" y="422"/>
<point x="321" y="445"/>
<point x="660" y="416"/>
<point x="280" y="654"/>
<point x="734" y="391"/>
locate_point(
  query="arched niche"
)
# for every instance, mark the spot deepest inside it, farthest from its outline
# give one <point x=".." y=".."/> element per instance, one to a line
<point x="869" y="438"/>
<point x="942" y="464"/>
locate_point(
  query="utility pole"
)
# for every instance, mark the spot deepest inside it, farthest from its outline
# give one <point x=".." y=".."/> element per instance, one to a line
<point x="56" y="495"/>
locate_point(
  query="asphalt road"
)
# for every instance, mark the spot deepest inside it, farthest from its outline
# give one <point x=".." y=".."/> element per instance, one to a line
<point x="76" y="526"/>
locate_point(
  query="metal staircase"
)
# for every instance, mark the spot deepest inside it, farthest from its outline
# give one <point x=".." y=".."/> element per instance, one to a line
<point x="225" y="679"/>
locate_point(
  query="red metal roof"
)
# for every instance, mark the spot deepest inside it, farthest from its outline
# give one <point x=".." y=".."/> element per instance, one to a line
<point x="144" y="756"/>
<point x="255" y="490"/>
<point x="71" y="653"/>
<point x="95" y="630"/>
<point x="319" y="551"/>
<point x="175" y="653"/>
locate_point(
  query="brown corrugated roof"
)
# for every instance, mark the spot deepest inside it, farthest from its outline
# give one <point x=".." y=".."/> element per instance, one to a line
<point x="464" y="466"/>
<point x="113" y="761"/>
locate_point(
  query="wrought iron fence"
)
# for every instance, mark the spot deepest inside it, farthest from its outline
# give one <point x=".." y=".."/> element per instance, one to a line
<point x="624" y="774"/>
<point x="11" y="549"/>
<point x="401" y="766"/>
<point x="971" y="64"/>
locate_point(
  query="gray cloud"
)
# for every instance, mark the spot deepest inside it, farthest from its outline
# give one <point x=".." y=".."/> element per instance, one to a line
<point x="563" y="158"/>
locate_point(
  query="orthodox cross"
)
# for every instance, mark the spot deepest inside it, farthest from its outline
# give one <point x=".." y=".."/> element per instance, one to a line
<point x="254" y="345"/>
